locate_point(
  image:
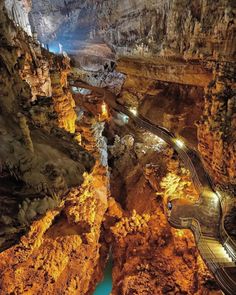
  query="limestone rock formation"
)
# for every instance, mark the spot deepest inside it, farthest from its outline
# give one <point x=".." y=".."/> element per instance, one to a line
<point x="61" y="253"/>
<point x="34" y="67"/>
<point x="171" y="28"/>
<point x="187" y="39"/>
<point x="63" y="249"/>
<point x="39" y="159"/>
<point x="64" y="103"/>
<point x="216" y="129"/>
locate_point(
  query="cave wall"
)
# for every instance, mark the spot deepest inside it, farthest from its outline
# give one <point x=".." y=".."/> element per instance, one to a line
<point x="201" y="111"/>
<point x="198" y="29"/>
<point x="189" y="40"/>
<point x="64" y="21"/>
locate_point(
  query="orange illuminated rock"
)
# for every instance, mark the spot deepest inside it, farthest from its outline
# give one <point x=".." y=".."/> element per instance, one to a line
<point x="61" y="252"/>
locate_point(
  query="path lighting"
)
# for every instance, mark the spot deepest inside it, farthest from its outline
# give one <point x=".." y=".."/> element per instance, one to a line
<point x="180" y="143"/>
<point x="104" y="108"/>
<point x="179" y="233"/>
<point x="169" y="205"/>
<point x="133" y="111"/>
<point x="104" y="111"/>
<point x="214" y="197"/>
<point x="161" y="140"/>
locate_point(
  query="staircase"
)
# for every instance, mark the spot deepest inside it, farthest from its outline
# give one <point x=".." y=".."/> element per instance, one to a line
<point x="213" y="249"/>
<point x="219" y="262"/>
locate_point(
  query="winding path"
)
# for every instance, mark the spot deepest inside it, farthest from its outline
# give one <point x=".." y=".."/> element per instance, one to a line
<point x="203" y="218"/>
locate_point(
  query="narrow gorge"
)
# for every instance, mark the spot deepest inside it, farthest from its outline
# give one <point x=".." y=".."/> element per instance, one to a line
<point x="117" y="147"/>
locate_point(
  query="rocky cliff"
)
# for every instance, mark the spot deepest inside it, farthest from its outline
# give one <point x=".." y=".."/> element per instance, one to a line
<point x="62" y="97"/>
<point x="63" y="252"/>
<point x="170" y="28"/>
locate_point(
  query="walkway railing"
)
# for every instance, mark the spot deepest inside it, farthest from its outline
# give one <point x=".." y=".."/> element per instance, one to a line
<point x="169" y="139"/>
<point x="225" y="281"/>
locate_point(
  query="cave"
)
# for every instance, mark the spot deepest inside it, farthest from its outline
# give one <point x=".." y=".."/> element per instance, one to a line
<point x="117" y="147"/>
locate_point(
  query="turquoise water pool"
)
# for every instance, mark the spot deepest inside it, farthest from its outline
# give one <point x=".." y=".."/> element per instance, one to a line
<point x="105" y="287"/>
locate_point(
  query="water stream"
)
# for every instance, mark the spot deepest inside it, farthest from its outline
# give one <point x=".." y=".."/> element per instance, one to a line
<point x="105" y="287"/>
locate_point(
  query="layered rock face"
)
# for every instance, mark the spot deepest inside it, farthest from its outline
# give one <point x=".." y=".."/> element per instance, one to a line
<point x="164" y="98"/>
<point x="63" y="101"/>
<point x="34" y="68"/>
<point x="55" y="220"/>
<point x="47" y="77"/>
<point x="62" y="254"/>
<point x="69" y="22"/>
